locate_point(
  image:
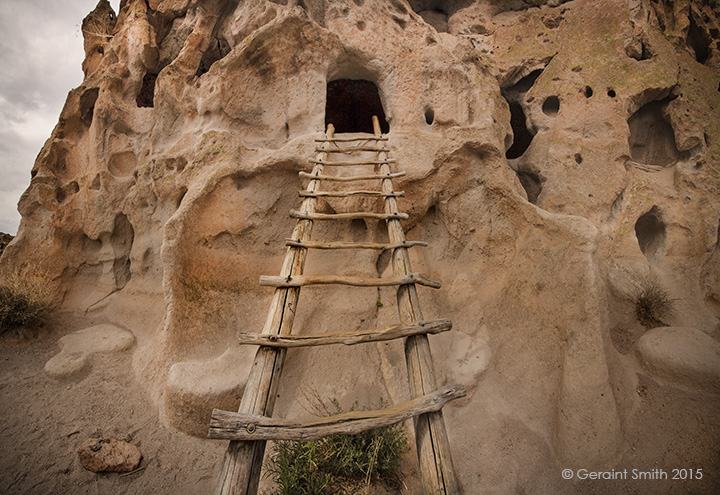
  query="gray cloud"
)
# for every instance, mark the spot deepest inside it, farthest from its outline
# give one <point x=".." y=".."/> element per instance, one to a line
<point x="41" y="52"/>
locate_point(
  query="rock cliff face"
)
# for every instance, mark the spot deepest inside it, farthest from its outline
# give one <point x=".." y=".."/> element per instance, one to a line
<point x="562" y="157"/>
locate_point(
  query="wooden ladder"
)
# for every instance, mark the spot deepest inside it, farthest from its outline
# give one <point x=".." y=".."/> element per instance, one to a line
<point x="252" y="425"/>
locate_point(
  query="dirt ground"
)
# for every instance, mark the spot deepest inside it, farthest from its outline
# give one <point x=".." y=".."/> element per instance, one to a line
<point x="44" y="421"/>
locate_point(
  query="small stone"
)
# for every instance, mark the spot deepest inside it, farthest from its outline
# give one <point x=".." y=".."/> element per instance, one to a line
<point x="109" y="455"/>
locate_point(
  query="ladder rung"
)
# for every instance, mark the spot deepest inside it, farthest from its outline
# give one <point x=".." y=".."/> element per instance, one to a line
<point x="349" y="164"/>
<point x="351" y="178"/>
<point x="368" y="137"/>
<point x="303" y="280"/>
<point x="348" y="338"/>
<point x="343" y="194"/>
<point x="353" y="245"/>
<point x="350" y="150"/>
<point x="347" y="216"/>
<point x="237" y="426"/>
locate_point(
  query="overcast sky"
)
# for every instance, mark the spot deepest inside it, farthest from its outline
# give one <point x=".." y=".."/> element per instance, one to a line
<point x="41" y="52"/>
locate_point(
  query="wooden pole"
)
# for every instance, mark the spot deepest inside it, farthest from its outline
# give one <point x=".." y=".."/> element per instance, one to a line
<point x="433" y="446"/>
<point x="240" y="470"/>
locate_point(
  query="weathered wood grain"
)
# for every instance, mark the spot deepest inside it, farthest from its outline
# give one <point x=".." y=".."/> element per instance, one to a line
<point x="237" y="426"/>
<point x="241" y="467"/>
<point x="353" y="149"/>
<point x="304" y="280"/>
<point x="352" y="178"/>
<point x="367" y="137"/>
<point x="351" y="163"/>
<point x="348" y="338"/>
<point x="347" y="216"/>
<point x="433" y="447"/>
<point x="353" y="245"/>
<point x="344" y="194"/>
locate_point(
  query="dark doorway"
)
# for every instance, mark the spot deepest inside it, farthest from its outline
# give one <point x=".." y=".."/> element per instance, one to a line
<point x="350" y="105"/>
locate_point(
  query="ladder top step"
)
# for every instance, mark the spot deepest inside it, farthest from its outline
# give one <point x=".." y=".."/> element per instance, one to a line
<point x="237" y="426"/>
<point x="348" y="216"/>
<point x="343" y="194"/>
<point x="348" y="338"/>
<point x="350" y="150"/>
<point x="351" y="177"/>
<point x="304" y="280"/>
<point x="353" y="245"/>
<point x="351" y="163"/>
<point x="365" y="137"/>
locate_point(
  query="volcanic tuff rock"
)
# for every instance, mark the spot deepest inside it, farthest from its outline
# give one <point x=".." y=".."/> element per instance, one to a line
<point x="559" y="155"/>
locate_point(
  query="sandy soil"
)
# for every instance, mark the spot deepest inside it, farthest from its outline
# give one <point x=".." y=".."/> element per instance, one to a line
<point x="44" y="421"/>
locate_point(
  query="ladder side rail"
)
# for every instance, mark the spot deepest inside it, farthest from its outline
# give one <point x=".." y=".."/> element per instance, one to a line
<point x="242" y="464"/>
<point x="433" y="446"/>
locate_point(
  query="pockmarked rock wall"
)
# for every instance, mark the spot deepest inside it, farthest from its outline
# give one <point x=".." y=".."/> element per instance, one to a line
<point x="561" y="158"/>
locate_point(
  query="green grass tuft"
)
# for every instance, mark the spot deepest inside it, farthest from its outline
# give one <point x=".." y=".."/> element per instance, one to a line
<point x="338" y="464"/>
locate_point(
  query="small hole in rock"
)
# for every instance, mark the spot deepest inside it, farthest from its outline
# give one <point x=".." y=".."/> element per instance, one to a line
<point x="147" y="91"/>
<point x="399" y="21"/>
<point x="215" y="52"/>
<point x="551" y="106"/>
<point x="101" y="50"/>
<point x="361" y="25"/>
<point x="87" y="105"/>
<point x="578" y="158"/>
<point x="611" y="93"/>
<point x="183" y="192"/>
<point x="429" y="116"/>
<point x="588" y="92"/>
<point x="522" y="137"/>
<point x="650" y="232"/>
<point x="697" y="40"/>
<point x="532" y="184"/>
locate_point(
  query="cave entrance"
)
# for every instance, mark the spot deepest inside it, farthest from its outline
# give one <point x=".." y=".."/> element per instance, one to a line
<point x="350" y="105"/>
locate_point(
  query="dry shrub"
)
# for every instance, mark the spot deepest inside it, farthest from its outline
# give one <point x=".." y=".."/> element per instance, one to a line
<point x="653" y="303"/>
<point x="25" y="299"/>
<point x="339" y="464"/>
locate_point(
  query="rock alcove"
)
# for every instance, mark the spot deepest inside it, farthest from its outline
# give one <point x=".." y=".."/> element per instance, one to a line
<point x="351" y="104"/>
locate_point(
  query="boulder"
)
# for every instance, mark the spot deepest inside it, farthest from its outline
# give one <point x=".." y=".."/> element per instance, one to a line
<point x="682" y="356"/>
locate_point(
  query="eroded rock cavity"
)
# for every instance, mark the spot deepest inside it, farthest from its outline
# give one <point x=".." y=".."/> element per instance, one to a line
<point x="163" y="194"/>
<point x="652" y="139"/>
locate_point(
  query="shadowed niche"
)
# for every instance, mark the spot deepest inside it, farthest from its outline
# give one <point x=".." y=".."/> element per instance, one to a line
<point x="650" y="232"/>
<point x="652" y="139"/>
<point x="350" y="105"/>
